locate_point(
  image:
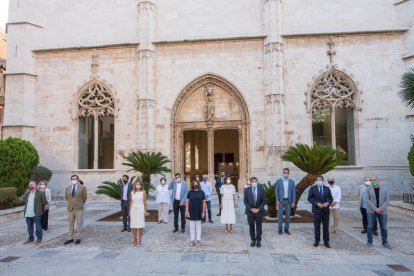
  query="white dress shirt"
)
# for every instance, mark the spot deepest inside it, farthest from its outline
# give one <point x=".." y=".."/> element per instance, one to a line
<point x="177" y="195"/>
<point x="125" y="192"/>
<point x="163" y="194"/>
<point x="207" y="189"/>
<point x="286" y="188"/>
<point x="336" y="195"/>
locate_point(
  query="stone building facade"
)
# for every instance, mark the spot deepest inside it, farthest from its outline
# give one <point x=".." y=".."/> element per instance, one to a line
<point x="214" y="85"/>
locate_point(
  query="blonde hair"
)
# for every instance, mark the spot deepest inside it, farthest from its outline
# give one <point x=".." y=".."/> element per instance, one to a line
<point x="134" y="188"/>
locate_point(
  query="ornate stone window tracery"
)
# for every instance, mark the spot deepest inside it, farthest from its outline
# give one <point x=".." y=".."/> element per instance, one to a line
<point x="95" y="111"/>
<point x="333" y="102"/>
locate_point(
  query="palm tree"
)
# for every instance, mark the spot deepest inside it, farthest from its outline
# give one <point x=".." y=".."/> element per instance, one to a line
<point x="147" y="163"/>
<point x="314" y="160"/>
<point x="407" y="91"/>
<point x="111" y="189"/>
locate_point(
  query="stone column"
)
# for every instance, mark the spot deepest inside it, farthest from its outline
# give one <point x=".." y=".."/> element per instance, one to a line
<point x="274" y="85"/>
<point x="146" y="55"/>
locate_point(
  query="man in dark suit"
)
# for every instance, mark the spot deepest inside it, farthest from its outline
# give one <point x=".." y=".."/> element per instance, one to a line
<point x="254" y="200"/>
<point x="125" y="196"/>
<point x="219" y="183"/>
<point x="320" y="197"/>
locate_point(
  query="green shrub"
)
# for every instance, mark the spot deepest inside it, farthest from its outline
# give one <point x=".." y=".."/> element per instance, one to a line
<point x="41" y="173"/>
<point x="7" y="197"/>
<point x="410" y="156"/>
<point x="17" y="158"/>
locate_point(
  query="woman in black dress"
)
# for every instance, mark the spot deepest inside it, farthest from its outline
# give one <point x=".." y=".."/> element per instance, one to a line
<point x="195" y="211"/>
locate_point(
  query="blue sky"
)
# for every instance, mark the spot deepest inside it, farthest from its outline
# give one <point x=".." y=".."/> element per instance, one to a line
<point x="4" y="11"/>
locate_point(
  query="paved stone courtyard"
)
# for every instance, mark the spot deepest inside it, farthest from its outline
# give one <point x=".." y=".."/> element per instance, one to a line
<point x="106" y="251"/>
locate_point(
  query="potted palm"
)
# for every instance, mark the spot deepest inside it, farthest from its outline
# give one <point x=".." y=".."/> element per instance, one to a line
<point x="270" y="199"/>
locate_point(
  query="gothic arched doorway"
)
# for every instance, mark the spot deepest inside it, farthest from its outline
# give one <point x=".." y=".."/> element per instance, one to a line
<point x="210" y="130"/>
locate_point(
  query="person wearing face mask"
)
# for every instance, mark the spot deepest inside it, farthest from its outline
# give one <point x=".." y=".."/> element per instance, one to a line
<point x="219" y="183"/>
<point x="35" y="203"/>
<point x="125" y="193"/>
<point x="363" y="207"/>
<point x="228" y="205"/>
<point x="285" y="199"/>
<point x="377" y="199"/>
<point x="336" y="195"/>
<point x="254" y="200"/>
<point x="195" y="212"/>
<point x="207" y="188"/>
<point x="179" y="195"/>
<point x="76" y="196"/>
<point x="320" y="197"/>
<point x="138" y="211"/>
<point x="48" y="194"/>
<point x="163" y="200"/>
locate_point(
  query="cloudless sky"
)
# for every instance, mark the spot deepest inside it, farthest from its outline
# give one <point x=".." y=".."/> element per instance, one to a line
<point x="4" y="11"/>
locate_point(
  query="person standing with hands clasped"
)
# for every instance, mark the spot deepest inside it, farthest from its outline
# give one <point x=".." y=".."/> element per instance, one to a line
<point x="320" y="197"/>
<point x="35" y="203"/>
<point x="219" y="183"/>
<point x="336" y="195"/>
<point x="195" y="212"/>
<point x="125" y="191"/>
<point x="137" y="212"/>
<point x="228" y="205"/>
<point x="163" y="200"/>
<point x="207" y="188"/>
<point x="254" y="200"/>
<point x="285" y="199"/>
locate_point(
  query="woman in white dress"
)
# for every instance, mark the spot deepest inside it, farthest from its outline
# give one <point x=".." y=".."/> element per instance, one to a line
<point x="137" y="212"/>
<point x="163" y="200"/>
<point x="228" y="203"/>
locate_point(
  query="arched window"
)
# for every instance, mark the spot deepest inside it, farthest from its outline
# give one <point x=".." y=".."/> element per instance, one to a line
<point x="333" y="103"/>
<point x="96" y="108"/>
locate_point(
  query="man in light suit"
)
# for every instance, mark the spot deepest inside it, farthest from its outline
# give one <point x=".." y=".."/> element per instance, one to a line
<point x="320" y="197"/>
<point x="76" y="195"/>
<point x="125" y="196"/>
<point x="179" y="195"/>
<point x="254" y="200"/>
<point x="377" y="200"/>
<point x="285" y="199"/>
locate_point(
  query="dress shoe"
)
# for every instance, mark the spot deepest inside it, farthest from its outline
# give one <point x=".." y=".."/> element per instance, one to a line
<point x="28" y="241"/>
<point x="387" y="245"/>
<point x="183" y="230"/>
<point x="375" y="233"/>
<point x="77" y="241"/>
<point x="316" y="244"/>
<point x="258" y="244"/>
<point x="287" y="232"/>
<point x="327" y="245"/>
<point x="364" y="231"/>
<point x="280" y="232"/>
<point x="38" y="241"/>
<point x="211" y="221"/>
<point x="369" y="244"/>
<point x="68" y="242"/>
<point x="129" y="230"/>
<point x="253" y="243"/>
<point x="203" y="221"/>
<point x="123" y="230"/>
<point x="219" y="214"/>
<point x="175" y="230"/>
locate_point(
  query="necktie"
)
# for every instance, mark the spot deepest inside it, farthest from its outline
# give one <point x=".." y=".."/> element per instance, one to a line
<point x="320" y="191"/>
<point x="254" y="196"/>
<point x="73" y="190"/>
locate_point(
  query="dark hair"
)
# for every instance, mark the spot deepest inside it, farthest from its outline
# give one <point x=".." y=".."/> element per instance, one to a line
<point x="286" y="169"/>
<point x="253" y="177"/>
<point x="177" y="174"/>
<point x="80" y="181"/>
<point x="126" y="176"/>
<point x="320" y="177"/>
<point x="75" y="175"/>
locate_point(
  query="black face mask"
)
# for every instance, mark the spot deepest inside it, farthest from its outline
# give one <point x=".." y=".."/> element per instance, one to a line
<point x="331" y="182"/>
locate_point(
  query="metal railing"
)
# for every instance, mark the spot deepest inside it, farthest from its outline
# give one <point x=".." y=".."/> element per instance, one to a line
<point x="408" y="198"/>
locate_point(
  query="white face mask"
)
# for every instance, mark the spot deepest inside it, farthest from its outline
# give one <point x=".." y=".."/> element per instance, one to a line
<point x="367" y="183"/>
<point x="162" y="182"/>
<point x="42" y="186"/>
<point x="254" y="184"/>
<point x="319" y="183"/>
<point x="228" y="181"/>
<point x="178" y="179"/>
<point x="285" y="175"/>
<point x="74" y="182"/>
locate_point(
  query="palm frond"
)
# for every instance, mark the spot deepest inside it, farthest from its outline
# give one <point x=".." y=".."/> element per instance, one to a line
<point x="110" y="189"/>
<point x="407" y="88"/>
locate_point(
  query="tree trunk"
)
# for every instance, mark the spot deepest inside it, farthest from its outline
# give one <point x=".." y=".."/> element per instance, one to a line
<point x="271" y="209"/>
<point x="307" y="181"/>
<point x="146" y="181"/>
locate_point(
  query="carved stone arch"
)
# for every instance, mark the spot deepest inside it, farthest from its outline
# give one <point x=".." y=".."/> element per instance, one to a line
<point x="94" y="98"/>
<point x="333" y="88"/>
<point x="210" y="118"/>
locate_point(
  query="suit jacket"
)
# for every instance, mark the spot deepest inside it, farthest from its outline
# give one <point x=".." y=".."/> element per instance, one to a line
<point x="314" y="197"/>
<point x="219" y="184"/>
<point x="184" y="191"/>
<point x="280" y="190"/>
<point x="249" y="199"/>
<point x="371" y="200"/>
<point x="40" y="202"/>
<point x="76" y="202"/>
<point x="361" y="193"/>
<point x="129" y="190"/>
